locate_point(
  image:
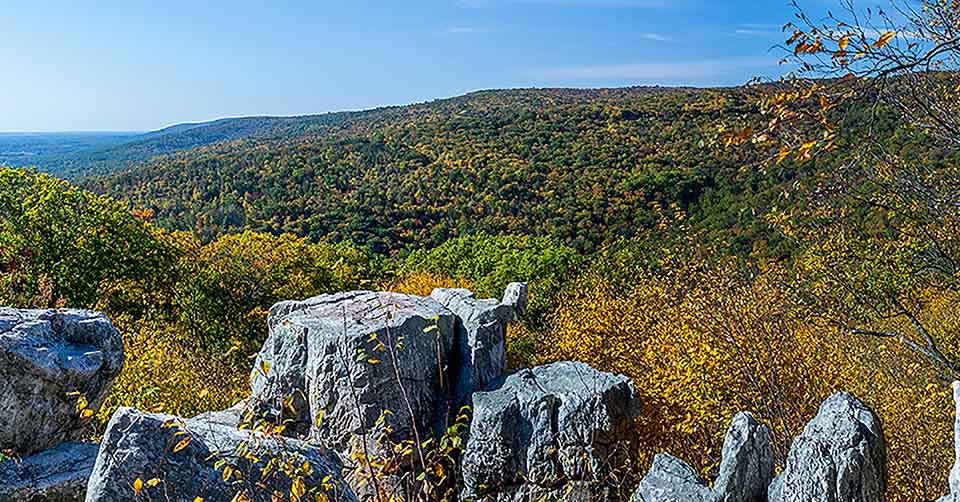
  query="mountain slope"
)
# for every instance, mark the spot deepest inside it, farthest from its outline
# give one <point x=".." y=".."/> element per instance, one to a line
<point x="584" y="166"/>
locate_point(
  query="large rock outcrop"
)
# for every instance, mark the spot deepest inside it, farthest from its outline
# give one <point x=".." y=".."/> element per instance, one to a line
<point x="839" y="457"/>
<point x="48" y="359"/>
<point x="179" y="461"/>
<point x="481" y="334"/>
<point x="59" y="474"/>
<point x="332" y="364"/>
<point x="746" y="469"/>
<point x="554" y="430"/>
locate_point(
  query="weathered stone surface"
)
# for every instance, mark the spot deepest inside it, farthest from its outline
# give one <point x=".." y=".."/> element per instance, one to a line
<point x="44" y="356"/>
<point x="954" y="495"/>
<point x="337" y="358"/>
<point x="481" y="334"/>
<point x="230" y="417"/>
<point x="746" y="469"/>
<point x="553" y="430"/>
<point x="56" y="475"/>
<point x="839" y="456"/>
<point x="142" y="445"/>
<point x="672" y="480"/>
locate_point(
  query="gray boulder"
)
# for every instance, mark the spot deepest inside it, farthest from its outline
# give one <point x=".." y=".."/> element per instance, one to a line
<point x="56" y="475"/>
<point x="178" y="461"/>
<point x="46" y="356"/>
<point x="746" y="468"/>
<point x="954" y="495"/>
<point x="840" y="456"/>
<point x="672" y="480"/>
<point x="332" y="364"/>
<point x="552" y="431"/>
<point x="481" y="334"/>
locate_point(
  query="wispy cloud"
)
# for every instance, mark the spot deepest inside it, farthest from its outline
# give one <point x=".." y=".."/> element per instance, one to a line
<point x="467" y="29"/>
<point x="655" y="37"/>
<point x="758" y="30"/>
<point x="747" y="32"/>
<point x="654" y="71"/>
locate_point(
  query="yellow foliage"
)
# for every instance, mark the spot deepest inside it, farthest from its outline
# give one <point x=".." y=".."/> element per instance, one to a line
<point x="703" y="345"/>
<point x="164" y="373"/>
<point x="423" y="283"/>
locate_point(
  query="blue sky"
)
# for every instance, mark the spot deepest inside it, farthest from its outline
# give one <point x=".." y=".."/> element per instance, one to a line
<point x="139" y="65"/>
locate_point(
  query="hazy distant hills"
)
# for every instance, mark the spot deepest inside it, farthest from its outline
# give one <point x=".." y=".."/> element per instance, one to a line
<point x="46" y="149"/>
<point x="78" y="154"/>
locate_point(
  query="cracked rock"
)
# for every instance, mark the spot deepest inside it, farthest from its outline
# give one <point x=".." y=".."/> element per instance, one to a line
<point x="481" y="334"/>
<point x="746" y="469"/>
<point x="59" y="474"/>
<point x="47" y="359"/>
<point x="839" y="456"/>
<point x="330" y="367"/>
<point x="180" y="460"/>
<point x="551" y="431"/>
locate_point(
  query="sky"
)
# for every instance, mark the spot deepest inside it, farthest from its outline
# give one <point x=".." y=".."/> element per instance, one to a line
<point x="117" y="65"/>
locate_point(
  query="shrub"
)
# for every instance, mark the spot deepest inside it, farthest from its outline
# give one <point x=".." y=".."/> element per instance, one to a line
<point x="489" y="263"/>
<point x="703" y="343"/>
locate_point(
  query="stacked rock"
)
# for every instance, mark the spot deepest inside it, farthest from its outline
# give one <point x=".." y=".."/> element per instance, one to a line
<point x="364" y="375"/>
<point x="364" y="372"/>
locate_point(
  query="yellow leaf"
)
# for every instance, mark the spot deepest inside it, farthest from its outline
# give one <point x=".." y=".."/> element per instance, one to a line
<point x="87" y="413"/>
<point x="182" y="444"/>
<point x="784" y="153"/>
<point x="299" y="488"/>
<point x="137" y="486"/>
<point x="885" y="39"/>
<point x="844" y="42"/>
<point x="264" y="367"/>
<point x="198" y="499"/>
<point x="804" y="151"/>
<point x="153" y="482"/>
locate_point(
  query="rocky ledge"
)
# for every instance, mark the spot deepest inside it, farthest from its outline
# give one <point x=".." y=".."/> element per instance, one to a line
<point x="353" y="380"/>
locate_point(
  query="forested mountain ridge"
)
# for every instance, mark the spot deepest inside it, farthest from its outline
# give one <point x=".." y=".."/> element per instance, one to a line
<point x="499" y="186"/>
<point x="583" y="166"/>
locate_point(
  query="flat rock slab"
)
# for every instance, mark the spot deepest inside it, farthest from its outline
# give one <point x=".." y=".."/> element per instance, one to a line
<point x="46" y="358"/>
<point x="178" y="461"/>
<point x="549" y="431"/>
<point x="59" y="474"/>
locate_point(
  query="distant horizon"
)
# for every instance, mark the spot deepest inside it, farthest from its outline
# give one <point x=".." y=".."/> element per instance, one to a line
<point x="355" y="110"/>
